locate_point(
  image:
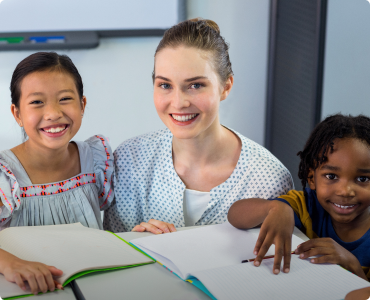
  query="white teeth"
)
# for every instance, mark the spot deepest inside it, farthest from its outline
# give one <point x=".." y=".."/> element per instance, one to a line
<point x="343" y="206"/>
<point x="184" y="118"/>
<point x="54" y="130"/>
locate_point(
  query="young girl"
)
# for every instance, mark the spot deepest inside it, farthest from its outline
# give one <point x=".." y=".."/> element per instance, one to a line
<point x="190" y="173"/>
<point x="333" y="211"/>
<point x="47" y="179"/>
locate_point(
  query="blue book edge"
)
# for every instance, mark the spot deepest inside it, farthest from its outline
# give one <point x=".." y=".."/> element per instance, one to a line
<point x="193" y="280"/>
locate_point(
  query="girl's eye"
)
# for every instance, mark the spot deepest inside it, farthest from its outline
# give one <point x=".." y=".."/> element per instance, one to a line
<point x="363" y="179"/>
<point x="331" y="176"/>
<point x="165" y="86"/>
<point x="65" y="99"/>
<point x="196" y="86"/>
<point x="36" y="102"/>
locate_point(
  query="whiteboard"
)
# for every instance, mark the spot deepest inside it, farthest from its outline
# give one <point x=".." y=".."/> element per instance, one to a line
<point x="86" y="15"/>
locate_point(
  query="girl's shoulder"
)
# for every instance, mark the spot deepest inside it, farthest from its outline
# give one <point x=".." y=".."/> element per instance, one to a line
<point x="11" y="169"/>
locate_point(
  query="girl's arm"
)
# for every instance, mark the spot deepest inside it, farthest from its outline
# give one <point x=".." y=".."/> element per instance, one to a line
<point x="38" y="275"/>
<point x="277" y="220"/>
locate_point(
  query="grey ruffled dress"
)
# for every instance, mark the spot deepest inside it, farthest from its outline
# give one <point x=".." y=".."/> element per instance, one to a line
<point x="77" y="199"/>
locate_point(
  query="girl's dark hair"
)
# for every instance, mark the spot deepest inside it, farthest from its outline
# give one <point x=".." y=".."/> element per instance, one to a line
<point x="200" y="34"/>
<point x="42" y="61"/>
<point x="321" y="140"/>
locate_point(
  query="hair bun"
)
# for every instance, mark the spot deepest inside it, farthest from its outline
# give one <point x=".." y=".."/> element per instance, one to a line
<point x="208" y="23"/>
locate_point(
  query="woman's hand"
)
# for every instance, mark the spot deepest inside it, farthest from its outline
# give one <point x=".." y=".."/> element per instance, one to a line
<point x="276" y="229"/>
<point x="38" y="275"/>
<point x="331" y="252"/>
<point x="155" y="226"/>
<point x="359" y="294"/>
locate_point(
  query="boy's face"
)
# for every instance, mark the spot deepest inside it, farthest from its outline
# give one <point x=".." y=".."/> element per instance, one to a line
<point x="342" y="183"/>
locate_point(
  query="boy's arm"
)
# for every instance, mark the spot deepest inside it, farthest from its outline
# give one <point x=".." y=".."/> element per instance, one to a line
<point x="359" y="294"/>
<point x="277" y="220"/>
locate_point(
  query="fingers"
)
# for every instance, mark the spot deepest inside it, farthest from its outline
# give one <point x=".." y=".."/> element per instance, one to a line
<point x="138" y="228"/>
<point x="163" y="226"/>
<point x="319" y="242"/>
<point x="19" y="281"/>
<point x="49" y="280"/>
<point x="262" y="251"/>
<point x="55" y="271"/>
<point x="155" y="226"/>
<point x="287" y="255"/>
<point x="260" y="240"/>
<point x="279" y="251"/>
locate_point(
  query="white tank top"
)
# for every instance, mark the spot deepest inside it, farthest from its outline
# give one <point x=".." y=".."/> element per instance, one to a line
<point x="195" y="203"/>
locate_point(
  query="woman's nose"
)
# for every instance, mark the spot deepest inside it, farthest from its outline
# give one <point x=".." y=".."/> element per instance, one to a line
<point x="179" y="100"/>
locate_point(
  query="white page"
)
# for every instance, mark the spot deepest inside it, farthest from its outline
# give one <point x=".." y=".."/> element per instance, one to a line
<point x="305" y="281"/>
<point x="204" y="248"/>
<point x="71" y="248"/>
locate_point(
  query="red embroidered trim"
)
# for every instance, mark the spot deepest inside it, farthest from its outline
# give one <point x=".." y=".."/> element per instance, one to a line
<point x="61" y="184"/>
<point x="106" y="166"/>
<point x="10" y="173"/>
<point x="1" y="191"/>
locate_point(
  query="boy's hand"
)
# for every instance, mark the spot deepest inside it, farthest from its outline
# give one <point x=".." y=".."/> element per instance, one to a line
<point x="38" y="275"/>
<point x="276" y="229"/>
<point x="359" y="294"/>
<point x="331" y="252"/>
<point x="155" y="226"/>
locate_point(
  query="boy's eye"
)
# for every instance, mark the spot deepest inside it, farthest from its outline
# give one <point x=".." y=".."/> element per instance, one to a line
<point x="331" y="176"/>
<point x="165" y="86"/>
<point x="363" y="179"/>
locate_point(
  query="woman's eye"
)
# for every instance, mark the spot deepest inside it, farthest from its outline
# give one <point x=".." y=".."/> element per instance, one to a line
<point x="196" y="86"/>
<point x="363" y="179"/>
<point x="331" y="176"/>
<point x="165" y="86"/>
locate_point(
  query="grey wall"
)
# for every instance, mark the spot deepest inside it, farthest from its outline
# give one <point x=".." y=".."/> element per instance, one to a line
<point x="118" y="85"/>
<point x="347" y="58"/>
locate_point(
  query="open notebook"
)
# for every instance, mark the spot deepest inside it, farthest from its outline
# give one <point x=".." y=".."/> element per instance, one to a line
<point x="73" y="248"/>
<point x="210" y="258"/>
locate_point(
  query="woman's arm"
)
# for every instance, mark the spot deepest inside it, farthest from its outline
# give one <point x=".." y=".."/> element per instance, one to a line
<point x="38" y="275"/>
<point x="277" y="220"/>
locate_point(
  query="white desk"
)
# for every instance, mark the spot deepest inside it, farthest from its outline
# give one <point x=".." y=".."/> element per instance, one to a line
<point x="144" y="282"/>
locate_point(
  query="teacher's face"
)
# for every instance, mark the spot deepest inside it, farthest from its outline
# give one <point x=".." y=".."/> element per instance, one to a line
<point x="187" y="91"/>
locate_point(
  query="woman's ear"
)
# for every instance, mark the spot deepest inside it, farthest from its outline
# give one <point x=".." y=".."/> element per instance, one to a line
<point x="311" y="179"/>
<point x="17" y="115"/>
<point x="227" y="87"/>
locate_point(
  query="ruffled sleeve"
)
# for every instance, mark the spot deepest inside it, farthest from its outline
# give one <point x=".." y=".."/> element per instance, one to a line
<point x="9" y="193"/>
<point x="103" y="168"/>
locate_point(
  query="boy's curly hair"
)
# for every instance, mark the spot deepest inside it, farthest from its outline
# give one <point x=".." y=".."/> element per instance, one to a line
<point x="321" y="140"/>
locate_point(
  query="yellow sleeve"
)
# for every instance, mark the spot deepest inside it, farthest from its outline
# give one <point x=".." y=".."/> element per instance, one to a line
<point x="297" y="201"/>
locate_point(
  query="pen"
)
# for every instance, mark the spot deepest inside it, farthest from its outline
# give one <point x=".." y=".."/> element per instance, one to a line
<point x="266" y="257"/>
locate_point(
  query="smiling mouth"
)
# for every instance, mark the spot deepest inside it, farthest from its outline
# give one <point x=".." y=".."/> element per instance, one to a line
<point x="344" y="206"/>
<point x="184" y="118"/>
<point x="55" y="129"/>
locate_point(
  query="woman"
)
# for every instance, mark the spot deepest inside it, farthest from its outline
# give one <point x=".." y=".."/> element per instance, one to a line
<point x="191" y="172"/>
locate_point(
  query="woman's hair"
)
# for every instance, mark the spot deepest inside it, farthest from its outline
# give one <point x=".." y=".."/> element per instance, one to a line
<point x="321" y="140"/>
<point x="43" y="61"/>
<point x="203" y="35"/>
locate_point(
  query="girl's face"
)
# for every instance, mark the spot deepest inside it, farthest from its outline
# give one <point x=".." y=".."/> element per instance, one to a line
<point x="187" y="91"/>
<point x="342" y="183"/>
<point x="50" y="110"/>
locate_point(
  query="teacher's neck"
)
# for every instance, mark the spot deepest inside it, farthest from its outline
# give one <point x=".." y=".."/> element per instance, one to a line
<point x="207" y="148"/>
